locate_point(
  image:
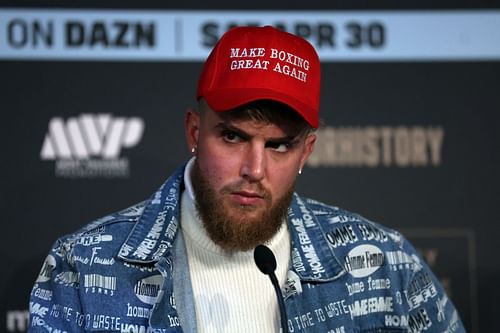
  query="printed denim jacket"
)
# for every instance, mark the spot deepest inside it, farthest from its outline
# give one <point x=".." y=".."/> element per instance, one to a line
<point x="347" y="275"/>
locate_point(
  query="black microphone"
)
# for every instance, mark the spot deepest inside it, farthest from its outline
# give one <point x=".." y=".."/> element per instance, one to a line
<point x="266" y="262"/>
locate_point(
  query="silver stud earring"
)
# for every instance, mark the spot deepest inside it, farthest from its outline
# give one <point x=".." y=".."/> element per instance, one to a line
<point x="300" y="171"/>
<point x="193" y="150"/>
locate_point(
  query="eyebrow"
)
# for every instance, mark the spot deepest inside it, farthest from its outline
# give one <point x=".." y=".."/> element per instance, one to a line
<point x="225" y="126"/>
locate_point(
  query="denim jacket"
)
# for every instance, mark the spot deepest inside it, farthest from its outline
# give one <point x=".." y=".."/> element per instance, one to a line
<point x="128" y="272"/>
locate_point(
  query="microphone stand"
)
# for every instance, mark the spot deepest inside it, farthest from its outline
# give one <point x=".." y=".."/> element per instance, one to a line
<point x="266" y="262"/>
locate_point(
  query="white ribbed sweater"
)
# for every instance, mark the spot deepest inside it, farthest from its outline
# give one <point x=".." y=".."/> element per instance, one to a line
<point x="230" y="293"/>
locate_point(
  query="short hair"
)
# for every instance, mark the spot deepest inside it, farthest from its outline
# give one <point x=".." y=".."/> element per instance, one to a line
<point x="266" y="111"/>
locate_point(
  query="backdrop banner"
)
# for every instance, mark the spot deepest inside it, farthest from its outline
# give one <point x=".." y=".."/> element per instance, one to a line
<point x="93" y="102"/>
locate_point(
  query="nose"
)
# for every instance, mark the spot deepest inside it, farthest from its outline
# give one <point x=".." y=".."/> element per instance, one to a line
<point x="253" y="164"/>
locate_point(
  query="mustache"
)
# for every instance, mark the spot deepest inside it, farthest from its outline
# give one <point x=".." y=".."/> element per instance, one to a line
<point x="244" y="186"/>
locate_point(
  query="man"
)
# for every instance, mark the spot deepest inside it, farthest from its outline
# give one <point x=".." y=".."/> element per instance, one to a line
<point x="183" y="259"/>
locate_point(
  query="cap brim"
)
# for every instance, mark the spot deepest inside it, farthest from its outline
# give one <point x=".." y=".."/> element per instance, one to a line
<point x="229" y="99"/>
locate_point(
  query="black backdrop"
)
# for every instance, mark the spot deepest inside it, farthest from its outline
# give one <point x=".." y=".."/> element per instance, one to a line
<point x="445" y="203"/>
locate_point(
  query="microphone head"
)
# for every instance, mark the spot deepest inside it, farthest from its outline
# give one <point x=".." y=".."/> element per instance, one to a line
<point x="264" y="259"/>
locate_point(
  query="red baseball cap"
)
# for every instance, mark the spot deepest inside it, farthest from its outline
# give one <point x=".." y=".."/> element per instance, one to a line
<point x="254" y="63"/>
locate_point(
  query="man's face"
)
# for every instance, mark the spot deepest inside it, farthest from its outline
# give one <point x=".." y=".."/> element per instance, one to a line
<point x="244" y="175"/>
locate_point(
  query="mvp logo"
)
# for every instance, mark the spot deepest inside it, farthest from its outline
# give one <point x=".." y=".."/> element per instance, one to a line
<point x="90" y="135"/>
<point x="89" y="146"/>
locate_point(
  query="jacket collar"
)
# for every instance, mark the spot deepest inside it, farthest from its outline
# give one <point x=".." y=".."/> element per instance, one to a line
<point x="312" y="258"/>
<point x="154" y="233"/>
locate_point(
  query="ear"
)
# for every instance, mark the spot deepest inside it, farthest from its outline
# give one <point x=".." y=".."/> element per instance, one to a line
<point x="192" y="128"/>
<point x="308" y="148"/>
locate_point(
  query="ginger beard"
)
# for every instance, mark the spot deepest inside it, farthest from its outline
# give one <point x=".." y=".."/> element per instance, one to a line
<point x="237" y="227"/>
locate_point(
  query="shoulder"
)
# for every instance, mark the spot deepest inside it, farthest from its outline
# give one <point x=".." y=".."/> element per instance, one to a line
<point x="362" y="248"/>
<point x="351" y="225"/>
<point x="108" y="233"/>
<point x="351" y="236"/>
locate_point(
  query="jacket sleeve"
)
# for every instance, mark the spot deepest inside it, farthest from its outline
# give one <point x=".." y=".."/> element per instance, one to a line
<point x="429" y="308"/>
<point x="55" y="298"/>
